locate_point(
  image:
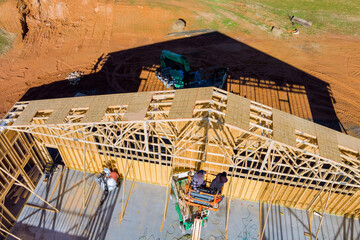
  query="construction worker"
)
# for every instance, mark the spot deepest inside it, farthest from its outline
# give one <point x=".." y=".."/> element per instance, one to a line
<point x="108" y="181"/>
<point x="198" y="180"/>
<point x="218" y="183"/>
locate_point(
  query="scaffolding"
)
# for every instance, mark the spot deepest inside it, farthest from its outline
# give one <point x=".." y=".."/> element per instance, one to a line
<point x="271" y="156"/>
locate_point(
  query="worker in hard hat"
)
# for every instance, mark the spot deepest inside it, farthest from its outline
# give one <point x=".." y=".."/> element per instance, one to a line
<point x="108" y="181"/>
<point x="198" y="180"/>
<point x="218" y="183"/>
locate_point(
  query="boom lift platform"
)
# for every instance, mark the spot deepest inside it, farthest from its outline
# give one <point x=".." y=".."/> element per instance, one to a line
<point x="193" y="207"/>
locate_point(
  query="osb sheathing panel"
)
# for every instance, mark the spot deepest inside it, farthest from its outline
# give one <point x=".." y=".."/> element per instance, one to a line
<point x="328" y="144"/>
<point x="304" y="126"/>
<point x="238" y="111"/>
<point x="96" y="106"/>
<point x="183" y="103"/>
<point x="348" y="141"/>
<point x="283" y="127"/>
<point x="205" y="93"/>
<point x="138" y="107"/>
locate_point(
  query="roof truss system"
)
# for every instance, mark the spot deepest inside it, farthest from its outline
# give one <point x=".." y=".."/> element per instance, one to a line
<point x="272" y="156"/>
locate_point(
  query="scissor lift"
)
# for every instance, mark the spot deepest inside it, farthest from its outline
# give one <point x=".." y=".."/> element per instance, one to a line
<point x="193" y="206"/>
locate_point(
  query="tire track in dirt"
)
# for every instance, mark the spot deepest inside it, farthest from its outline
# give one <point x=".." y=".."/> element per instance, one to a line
<point x="341" y="88"/>
<point x="343" y="83"/>
<point x="109" y="22"/>
<point x="353" y="66"/>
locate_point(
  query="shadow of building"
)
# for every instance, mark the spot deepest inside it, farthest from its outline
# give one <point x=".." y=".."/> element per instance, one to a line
<point x="253" y="74"/>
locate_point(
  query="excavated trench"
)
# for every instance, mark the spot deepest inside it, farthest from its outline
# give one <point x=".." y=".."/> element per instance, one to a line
<point x="24" y="10"/>
<point x="24" y="26"/>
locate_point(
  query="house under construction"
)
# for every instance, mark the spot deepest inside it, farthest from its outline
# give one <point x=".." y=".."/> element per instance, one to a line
<point x="270" y="156"/>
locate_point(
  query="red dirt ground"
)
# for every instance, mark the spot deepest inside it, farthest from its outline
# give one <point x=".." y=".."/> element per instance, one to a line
<point x="118" y="45"/>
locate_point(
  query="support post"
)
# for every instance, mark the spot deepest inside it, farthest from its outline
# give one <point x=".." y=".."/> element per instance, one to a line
<point x="57" y="183"/>
<point x="146" y="137"/>
<point x="229" y="202"/>
<point x="310" y="217"/>
<point x="260" y="215"/>
<point x="87" y="198"/>
<point x="84" y="177"/>
<point x="166" y="204"/>
<point x="322" y="215"/>
<point x="270" y="204"/>
<point x="127" y="200"/>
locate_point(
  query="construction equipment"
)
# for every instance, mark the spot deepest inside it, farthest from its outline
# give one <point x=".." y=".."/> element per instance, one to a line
<point x="108" y="181"/>
<point x="175" y="71"/>
<point x="193" y="207"/>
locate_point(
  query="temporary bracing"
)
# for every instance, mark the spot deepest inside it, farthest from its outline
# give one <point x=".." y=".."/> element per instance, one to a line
<point x="271" y="156"/>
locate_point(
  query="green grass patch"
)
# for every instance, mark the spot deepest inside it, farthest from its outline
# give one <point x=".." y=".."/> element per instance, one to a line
<point x="5" y="41"/>
<point x="336" y="16"/>
<point x="229" y="24"/>
<point x="200" y="22"/>
<point x="220" y="8"/>
<point x="214" y="25"/>
<point x="163" y="5"/>
<point x="246" y="31"/>
<point x="333" y="16"/>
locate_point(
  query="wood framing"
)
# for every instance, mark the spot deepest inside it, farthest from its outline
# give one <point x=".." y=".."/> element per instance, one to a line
<point x="22" y="161"/>
<point x="301" y="162"/>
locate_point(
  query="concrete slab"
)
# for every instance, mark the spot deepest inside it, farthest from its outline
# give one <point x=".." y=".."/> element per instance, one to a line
<point x="144" y="213"/>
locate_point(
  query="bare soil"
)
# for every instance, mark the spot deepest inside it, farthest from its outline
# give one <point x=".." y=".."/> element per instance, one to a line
<point x="118" y="44"/>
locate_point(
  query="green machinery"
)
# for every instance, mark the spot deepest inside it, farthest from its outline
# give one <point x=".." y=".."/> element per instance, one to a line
<point x="175" y="72"/>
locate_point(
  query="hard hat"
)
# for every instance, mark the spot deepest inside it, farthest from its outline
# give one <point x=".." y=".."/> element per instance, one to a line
<point x="107" y="172"/>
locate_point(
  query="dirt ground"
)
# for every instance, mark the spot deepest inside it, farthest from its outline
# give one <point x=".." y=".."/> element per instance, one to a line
<point x="117" y="45"/>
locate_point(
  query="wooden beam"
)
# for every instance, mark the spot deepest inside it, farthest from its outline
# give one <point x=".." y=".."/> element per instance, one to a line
<point x="57" y="183"/>
<point x="310" y="217"/>
<point x="166" y="206"/>
<point x="196" y="233"/>
<point x="127" y="200"/>
<point x="267" y="156"/>
<point x="3" y="230"/>
<point x="229" y="203"/>
<point x="87" y="197"/>
<point x="38" y="207"/>
<point x="30" y="190"/>
<point x="323" y="213"/>
<point x="267" y="214"/>
<point x="84" y="177"/>
<point x="7" y="211"/>
<point x="260" y="221"/>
